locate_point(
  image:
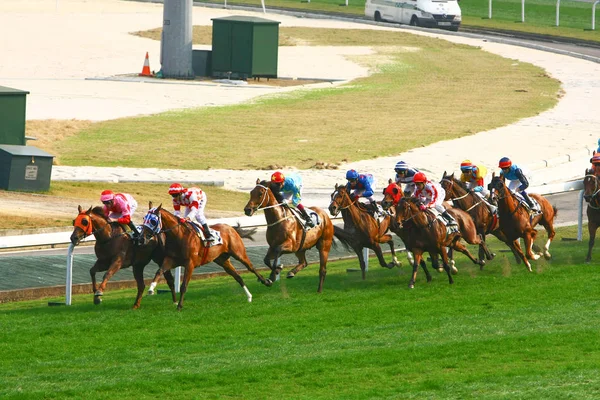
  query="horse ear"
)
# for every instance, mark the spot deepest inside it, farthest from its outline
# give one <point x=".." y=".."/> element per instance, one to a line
<point x="257" y="181"/>
<point x="89" y="209"/>
<point x="149" y="205"/>
<point x="159" y="207"/>
<point x="389" y="181"/>
<point x="443" y="176"/>
<point x="336" y="186"/>
<point x="493" y="175"/>
<point x="79" y="209"/>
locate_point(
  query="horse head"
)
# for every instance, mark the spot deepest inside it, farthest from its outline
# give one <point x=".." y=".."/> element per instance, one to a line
<point x="259" y="197"/>
<point x="85" y="221"/>
<point x="391" y="195"/>
<point x="407" y="210"/>
<point x="590" y="185"/>
<point x="340" y="199"/>
<point x="152" y="225"/>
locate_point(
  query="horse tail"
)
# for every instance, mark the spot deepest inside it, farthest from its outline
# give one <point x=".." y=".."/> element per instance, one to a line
<point x="344" y="237"/>
<point x="245" y="233"/>
<point x="555" y="210"/>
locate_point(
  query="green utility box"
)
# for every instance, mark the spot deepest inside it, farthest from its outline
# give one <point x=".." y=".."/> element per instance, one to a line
<point x="24" y="168"/>
<point x="12" y="115"/>
<point x="201" y="62"/>
<point x="244" y="47"/>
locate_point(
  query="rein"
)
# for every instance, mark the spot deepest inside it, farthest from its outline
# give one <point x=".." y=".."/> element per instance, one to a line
<point x="262" y="200"/>
<point x="593" y="196"/>
<point x="462" y="197"/>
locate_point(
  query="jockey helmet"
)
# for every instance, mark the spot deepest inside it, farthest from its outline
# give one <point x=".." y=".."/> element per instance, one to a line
<point x="107" y="195"/>
<point x="504" y="163"/>
<point x="466" y="166"/>
<point x="401" y="166"/>
<point x="419" y="178"/>
<point x="595" y="159"/>
<point x="176" y="188"/>
<point x="351" y="174"/>
<point x="277" y="177"/>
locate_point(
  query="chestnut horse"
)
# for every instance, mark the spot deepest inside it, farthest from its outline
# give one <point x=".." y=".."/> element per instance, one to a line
<point x="183" y="247"/>
<point x="425" y="233"/>
<point x="516" y="222"/>
<point x="114" y="250"/>
<point x="391" y="197"/>
<point x="484" y="219"/>
<point x="591" y="194"/>
<point x="286" y="235"/>
<point x="361" y="229"/>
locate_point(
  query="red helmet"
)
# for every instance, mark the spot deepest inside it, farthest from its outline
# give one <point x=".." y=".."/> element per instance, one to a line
<point x="505" y="163"/>
<point x="277" y="177"/>
<point x="419" y="177"/>
<point x="107" y="195"/>
<point x="595" y="159"/>
<point x="176" y="188"/>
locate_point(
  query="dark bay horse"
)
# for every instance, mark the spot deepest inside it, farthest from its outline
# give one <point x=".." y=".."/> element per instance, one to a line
<point x="425" y="233"/>
<point x="361" y="229"/>
<point x="183" y="247"/>
<point x="485" y="221"/>
<point x="286" y="235"/>
<point x="114" y="250"/>
<point x="516" y="222"/>
<point x="591" y="194"/>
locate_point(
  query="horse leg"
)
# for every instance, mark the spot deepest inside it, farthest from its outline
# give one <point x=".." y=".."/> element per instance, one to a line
<point x="225" y="263"/>
<point x="549" y="227"/>
<point x="459" y="246"/>
<point x="390" y="242"/>
<point x="301" y="254"/>
<point x="418" y="253"/>
<point x="273" y="253"/>
<point x="450" y="251"/>
<point x="424" y="266"/>
<point x="114" y="267"/>
<point x="516" y="248"/>
<point x="95" y="268"/>
<point x="377" y="249"/>
<point x="447" y="267"/>
<point x="528" y="238"/>
<point x="154" y="282"/>
<point x="171" y="282"/>
<point x="138" y="274"/>
<point x="242" y="257"/>
<point x="324" y="248"/>
<point x="592" y="228"/>
<point x="488" y="254"/>
<point x="189" y="269"/>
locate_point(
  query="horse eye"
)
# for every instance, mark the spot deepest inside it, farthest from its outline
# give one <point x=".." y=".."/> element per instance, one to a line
<point x="84" y="222"/>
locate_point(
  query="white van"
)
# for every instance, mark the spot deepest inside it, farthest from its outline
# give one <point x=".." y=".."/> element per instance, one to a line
<point x="443" y="14"/>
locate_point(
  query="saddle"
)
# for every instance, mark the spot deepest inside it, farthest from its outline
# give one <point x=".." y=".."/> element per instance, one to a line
<point x="450" y="229"/>
<point x="300" y="219"/>
<point x="200" y="233"/>
<point x="536" y="206"/>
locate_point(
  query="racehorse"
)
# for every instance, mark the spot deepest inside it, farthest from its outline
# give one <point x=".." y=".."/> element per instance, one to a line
<point x="286" y="235"/>
<point x="391" y="197"/>
<point x="591" y="192"/>
<point x="482" y="216"/>
<point x="361" y="229"/>
<point x="114" y="250"/>
<point x="425" y="233"/>
<point x="516" y="222"/>
<point x="183" y="247"/>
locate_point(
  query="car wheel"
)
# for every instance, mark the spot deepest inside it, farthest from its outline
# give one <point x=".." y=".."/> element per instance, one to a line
<point x="414" y="21"/>
<point x="377" y="16"/>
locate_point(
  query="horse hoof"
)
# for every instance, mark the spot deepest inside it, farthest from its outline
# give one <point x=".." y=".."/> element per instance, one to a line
<point x="268" y="282"/>
<point x="547" y="256"/>
<point x="491" y="257"/>
<point x="290" y="275"/>
<point x="454" y="270"/>
<point x="440" y="270"/>
<point x="391" y="265"/>
<point x="97" y="300"/>
<point x="411" y="286"/>
<point x="151" y="293"/>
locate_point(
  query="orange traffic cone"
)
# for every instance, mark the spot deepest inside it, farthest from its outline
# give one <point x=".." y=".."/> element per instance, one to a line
<point x="146" y="69"/>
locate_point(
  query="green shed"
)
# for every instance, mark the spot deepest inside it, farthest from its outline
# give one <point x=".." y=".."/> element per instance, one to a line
<point x="12" y="115"/>
<point x="244" y="47"/>
<point x="24" y="168"/>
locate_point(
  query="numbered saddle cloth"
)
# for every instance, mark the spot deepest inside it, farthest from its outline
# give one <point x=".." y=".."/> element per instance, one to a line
<point x="313" y="215"/>
<point x="215" y="234"/>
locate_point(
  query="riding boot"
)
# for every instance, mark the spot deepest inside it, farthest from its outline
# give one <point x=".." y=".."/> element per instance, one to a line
<point x="134" y="232"/>
<point x="449" y="218"/>
<point x="307" y="219"/>
<point x="529" y="202"/>
<point x="207" y="235"/>
<point x="377" y="208"/>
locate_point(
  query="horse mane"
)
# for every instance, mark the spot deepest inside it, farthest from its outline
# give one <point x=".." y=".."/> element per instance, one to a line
<point x="99" y="211"/>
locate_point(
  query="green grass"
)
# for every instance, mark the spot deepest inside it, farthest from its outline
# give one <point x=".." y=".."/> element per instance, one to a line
<point x="424" y="90"/>
<point x="495" y="334"/>
<point x="540" y="15"/>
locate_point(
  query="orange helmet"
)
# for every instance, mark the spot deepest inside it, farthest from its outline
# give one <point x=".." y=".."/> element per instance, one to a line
<point x="419" y="177"/>
<point x="107" y="195"/>
<point x="176" y="188"/>
<point x="277" y="177"/>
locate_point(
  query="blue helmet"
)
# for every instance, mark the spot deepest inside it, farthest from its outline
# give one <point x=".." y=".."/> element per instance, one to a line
<point x="401" y="166"/>
<point x="351" y="174"/>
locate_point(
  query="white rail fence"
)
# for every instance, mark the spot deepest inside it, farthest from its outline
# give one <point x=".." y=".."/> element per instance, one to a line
<point x="62" y="238"/>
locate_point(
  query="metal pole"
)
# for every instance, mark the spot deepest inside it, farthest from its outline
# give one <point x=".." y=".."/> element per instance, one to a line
<point x="594" y="14"/>
<point x="490" y="10"/>
<point x="557" y="12"/>
<point x="522" y="10"/>
<point x="177" y="279"/>
<point x="263" y="6"/>
<point x="69" y="283"/>
<point x="580" y="217"/>
<point x="366" y="257"/>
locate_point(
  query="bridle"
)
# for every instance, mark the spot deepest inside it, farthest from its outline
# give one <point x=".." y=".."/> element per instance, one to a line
<point x="89" y="232"/>
<point x="264" y="198"/>
<point x="596" y="191"/>
<point x="334" y="196"/>
<point x="154" y="223"/>
<point x="462" y="197"/>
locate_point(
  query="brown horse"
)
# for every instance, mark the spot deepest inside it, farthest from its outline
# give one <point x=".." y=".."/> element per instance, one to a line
<point x="591" y="191"/>
<point x="485" y="221"/>
<point x="516" y="222"/>
<point x="286" y="235"/>
<point x="114" y="250"/>
<point x="361" y="229"/>
<point x="183" y="247"/>
<point x="425" y="233"/>
<point x="391" y="197"/>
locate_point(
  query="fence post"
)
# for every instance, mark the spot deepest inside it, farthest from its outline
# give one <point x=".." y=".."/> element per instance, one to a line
<point x="366" y="257"/>
<point x="580" y="217"/>
<point x="490" y="10"/>
<point x="522" y="10"/>
<point x="594" y="14"/>
<point x="557" y="12"/>
<point x="177" y="279"/>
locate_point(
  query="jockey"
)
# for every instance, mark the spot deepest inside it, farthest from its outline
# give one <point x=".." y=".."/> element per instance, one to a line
<point x="194" y="201"/>
<point x="362" y="186"/>
<point x="595" y="160"/>
<point x="290" y="188"/>
<point x="432" y="195"/>
<point x="120" y="207"/>
<point x="405" y="175"/>
<point x="473" y="176"/>
<point x="517" y="178"/>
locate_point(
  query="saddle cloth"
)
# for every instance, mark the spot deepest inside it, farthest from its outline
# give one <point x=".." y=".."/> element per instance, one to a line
<point x="536" y="206"/>
<point x="450" y="229"/>
<point x="313" y="215"/>
<point x="216" y="235"/>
